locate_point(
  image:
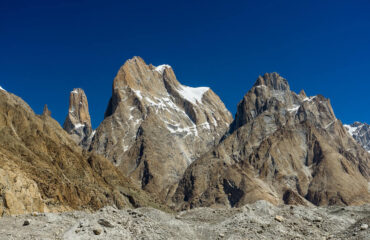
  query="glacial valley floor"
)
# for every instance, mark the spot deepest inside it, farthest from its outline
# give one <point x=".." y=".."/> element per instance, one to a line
<point x="260" y="220"/>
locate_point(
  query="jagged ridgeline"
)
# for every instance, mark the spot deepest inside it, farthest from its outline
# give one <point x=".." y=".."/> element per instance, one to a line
<point x="154" y="127"/>
<point x="282" y="147"/>
<point x="360" y="132"/>
<point x="163" y="140"/>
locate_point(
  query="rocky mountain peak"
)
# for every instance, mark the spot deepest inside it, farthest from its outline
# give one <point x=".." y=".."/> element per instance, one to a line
<point x="283" y="148"/>
<point x="270" y="91"/>
<point x="271" y="95"/>
<point x="78" y="121"/>
<point x="361" y="133"/>
<point x="136" y="74"/>
<point x="150" y="117"/>
<point x="302" y="94"/>
<point x="46" y="111"/>
<point x="272" y="81"/>
<point x="358" y="124"/>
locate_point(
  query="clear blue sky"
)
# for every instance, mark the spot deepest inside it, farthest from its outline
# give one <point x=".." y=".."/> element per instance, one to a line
<point x="47" y="48"/>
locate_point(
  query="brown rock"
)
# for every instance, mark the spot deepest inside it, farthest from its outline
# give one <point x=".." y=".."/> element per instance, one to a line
<point x="78" y="121"/>
<point x="154" y="127"/>
<point x="42" y="169"/>
<point x="293" y="198"/>
<point x="97" y="231"/>
<point x="46" y="111"/>
<point x="279" y="218"/>
<point x="279" y="140"/>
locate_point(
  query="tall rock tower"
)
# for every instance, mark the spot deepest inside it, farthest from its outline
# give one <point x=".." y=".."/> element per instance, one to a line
<point x="78" y="122"/>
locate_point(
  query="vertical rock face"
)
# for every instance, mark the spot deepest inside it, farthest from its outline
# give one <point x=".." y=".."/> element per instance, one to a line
<point x="154" y="127"/>
<point x="78" y="122"/>
<point x="282" y="147"/>
<point x="361" y="133"/>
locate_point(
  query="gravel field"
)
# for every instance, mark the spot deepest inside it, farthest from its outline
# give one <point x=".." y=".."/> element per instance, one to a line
<point x="255" y="221"/>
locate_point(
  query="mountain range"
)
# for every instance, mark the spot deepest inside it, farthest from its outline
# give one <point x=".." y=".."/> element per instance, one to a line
<point x="360" y="132"/>
<point x="174" y="147"/>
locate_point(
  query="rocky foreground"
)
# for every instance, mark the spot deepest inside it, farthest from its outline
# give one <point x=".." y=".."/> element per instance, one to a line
<point x="256" y="221"/>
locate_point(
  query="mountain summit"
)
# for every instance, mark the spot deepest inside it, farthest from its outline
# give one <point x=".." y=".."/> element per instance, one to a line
<point x="78" y="121"/>
<point x="181" y="144"/>
<point x="282" y="147"/>
<point x="155" y="127"/>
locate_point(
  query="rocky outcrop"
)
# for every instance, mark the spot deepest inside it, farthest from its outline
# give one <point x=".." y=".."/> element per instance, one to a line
<point x="78" y="121"/>
<point x="361" y="133"/>
<point x="46" y="111"/>
<point x="282" y="147"/>
<point x="154" y="127"/>
<point x="43" y="170"/>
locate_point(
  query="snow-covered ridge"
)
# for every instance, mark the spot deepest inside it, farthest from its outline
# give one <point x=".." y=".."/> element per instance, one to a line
<point x="352" y="130"/>
<point x="2" y="89"/>
<point x="295" y="107"/>
<point x="74" y="91"/>
<point x="309" y="99"/>
<point x="79" y="125"/>
<point x="162" y="67"/>
<point x="193" y="95"/>
<point x="138" y="94"/>
<point x="361" y="133"/>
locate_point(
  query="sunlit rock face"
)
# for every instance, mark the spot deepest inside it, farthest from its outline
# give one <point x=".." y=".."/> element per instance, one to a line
<point x="43" y="170"/>
<point x="154" y="127"/>
<point x="78" y="121"/>
<point x="282" y="147"/>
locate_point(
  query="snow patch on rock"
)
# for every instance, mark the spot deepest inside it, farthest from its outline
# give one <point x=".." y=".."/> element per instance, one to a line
<point x="350" y="129"/>
<point x="294" y="108"/>
<point x="79" y="125"/>
<point x="193" y="95"/>
<point x="162" y="67"/>
<point x="138" y="94"/>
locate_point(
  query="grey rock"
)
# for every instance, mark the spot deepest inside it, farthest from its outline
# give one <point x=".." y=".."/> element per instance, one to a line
<point x="105" y="223"/>
<point x="361" y="133"/>
<point x="26" y="222"/>
<point x="364" y="227"/>
<point x="199" y="223"/>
